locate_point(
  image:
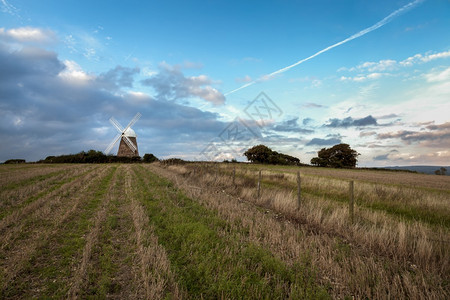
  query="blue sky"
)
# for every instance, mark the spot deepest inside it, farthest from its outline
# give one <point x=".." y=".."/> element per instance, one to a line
<point x="67" y="66"/>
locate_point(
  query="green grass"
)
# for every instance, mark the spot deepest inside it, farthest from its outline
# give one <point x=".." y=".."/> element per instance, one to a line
<point x="104" y="265"/>
<point x="32" y="180"/>
<point x="54" y="185"/>
<point x="401" y="210"/>
<point x="336" y="175"/>
<point x="53" y="262"/>
<point x="210" y="265"/>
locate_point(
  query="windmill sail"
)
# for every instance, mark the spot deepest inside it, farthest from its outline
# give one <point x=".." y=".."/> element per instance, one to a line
<point x="127" y="136"/>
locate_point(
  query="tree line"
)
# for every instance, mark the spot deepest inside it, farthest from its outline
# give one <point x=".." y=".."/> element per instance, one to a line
<point x="338" y="156"/>
<point x="264" y="155"/>
<point x="93" y="156"/>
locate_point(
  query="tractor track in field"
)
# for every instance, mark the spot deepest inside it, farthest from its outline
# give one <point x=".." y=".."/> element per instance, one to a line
<point x="29" y="175"/>
<point x="286" y="238"/>
<point x="156" y="278"/>
<point x="20" y="244"/>
<point x="79" y="278"/>
<point x="42" y="205"/>
<point x="16" y="198"/>
<point x="223" y="250"/>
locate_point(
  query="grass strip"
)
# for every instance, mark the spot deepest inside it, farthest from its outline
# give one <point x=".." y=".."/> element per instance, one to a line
<point x="105" y="264"/>
<point x="32" y="180"/>
<point x="52" y="187"/>
<point x="52" y="264"/>
<point x="405" y="212"/>
<point x="210" y="265"/>
<point x="295" y="169"/>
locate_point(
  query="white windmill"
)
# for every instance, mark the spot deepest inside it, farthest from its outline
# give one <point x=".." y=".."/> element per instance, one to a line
<point x="128" y="144"/>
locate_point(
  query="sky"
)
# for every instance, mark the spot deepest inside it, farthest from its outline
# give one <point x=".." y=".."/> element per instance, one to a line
<point x="214" y="78"/>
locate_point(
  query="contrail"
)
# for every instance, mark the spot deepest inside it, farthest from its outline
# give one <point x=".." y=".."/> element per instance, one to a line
<point x="377" y="25"/>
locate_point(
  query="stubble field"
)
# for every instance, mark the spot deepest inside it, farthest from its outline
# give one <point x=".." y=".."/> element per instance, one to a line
<point x="201" y="231"/>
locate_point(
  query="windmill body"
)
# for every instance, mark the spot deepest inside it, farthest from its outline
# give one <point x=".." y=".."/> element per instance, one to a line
<point x="124" y="149"/>
<point x="128" y="143"/>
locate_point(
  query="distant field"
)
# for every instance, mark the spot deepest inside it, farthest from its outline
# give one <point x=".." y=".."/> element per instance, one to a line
<point x="200" y="231"/>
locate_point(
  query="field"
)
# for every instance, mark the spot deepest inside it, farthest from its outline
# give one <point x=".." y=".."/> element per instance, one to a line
<point x="193" y="231"/>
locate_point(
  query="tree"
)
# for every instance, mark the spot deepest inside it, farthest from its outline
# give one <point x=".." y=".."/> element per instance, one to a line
<point x="149" y="158"/>
<point x="15" y="161"/>
<point x="441" y="171"/>
<point x="264" y="155"/>
<point x="258" y="154"/>
<point x="338" y="156"/>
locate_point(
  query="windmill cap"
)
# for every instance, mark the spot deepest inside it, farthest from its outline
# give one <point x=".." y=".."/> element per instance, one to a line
<point x="130" y="133"/>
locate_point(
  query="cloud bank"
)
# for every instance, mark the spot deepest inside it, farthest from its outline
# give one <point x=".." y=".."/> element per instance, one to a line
<point x="171" y="84"/>
<point x="51" y="106"/>
<point x="349" y="122"/>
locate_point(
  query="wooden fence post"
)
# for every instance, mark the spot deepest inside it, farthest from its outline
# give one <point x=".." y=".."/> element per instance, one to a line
<point x="299" y="197"/>
<point x="351" y="202"/>
<point x="259" y="184"/>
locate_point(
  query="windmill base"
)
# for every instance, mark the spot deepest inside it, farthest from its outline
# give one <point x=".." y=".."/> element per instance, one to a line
<point x="124" y="150"/>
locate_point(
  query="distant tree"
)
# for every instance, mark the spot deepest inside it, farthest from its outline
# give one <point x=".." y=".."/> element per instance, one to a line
<point x="149" y="158"/>
<point x="264" y="155"/>
<point x="258" y="154"/>
<point x="91" y="156"/>
<point x="441" y="171"/>
<point x="15" y="161"/>
<point x="173" y="161"/>
<point x="338" y="156"/>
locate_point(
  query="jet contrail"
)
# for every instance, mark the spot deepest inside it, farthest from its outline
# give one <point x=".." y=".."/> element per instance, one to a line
<point x="356" y="35"/>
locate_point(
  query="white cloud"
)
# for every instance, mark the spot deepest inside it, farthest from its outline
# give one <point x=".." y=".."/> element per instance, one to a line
<point x="411" y="60"/>
<point x="424" y="103"/>
<point x="199" y="80"/>
<point x="28" y="34"/>
<point x="137" y="98"/>
<point x="208" y="93"/>
<point x="74" y="73"/>
<point x="390" y="64"/>
<point x="171" y="84"/>
<point x="437" y="158"/>
<point x="360" y="78"/>
<point x="419" y="58"/>
<point x="438" y="76"/>
<point x="436" y="56"/>
<point x="382" y="65"/>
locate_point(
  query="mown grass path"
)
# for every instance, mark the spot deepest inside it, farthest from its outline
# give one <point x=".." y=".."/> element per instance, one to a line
<point x="211" y="265"/>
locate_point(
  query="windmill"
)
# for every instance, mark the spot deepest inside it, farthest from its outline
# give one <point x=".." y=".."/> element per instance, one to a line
<point x="128" y="145"/>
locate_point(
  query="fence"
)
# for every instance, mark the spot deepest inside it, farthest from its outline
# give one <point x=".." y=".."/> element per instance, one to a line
<point x="215" y="170"/>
